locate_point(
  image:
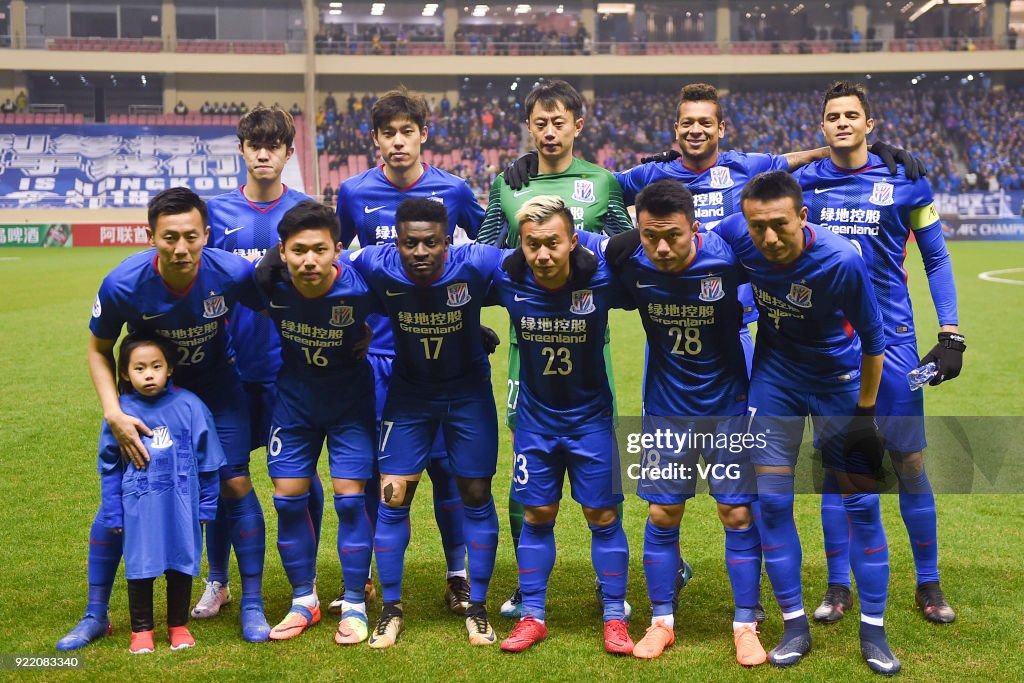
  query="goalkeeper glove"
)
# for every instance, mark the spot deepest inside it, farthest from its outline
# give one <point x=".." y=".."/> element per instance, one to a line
<point x="863" y="446"/>
<point x="897" y="156"/>
<point x="271" y="270"/>
<point x="489" y="338"/>
<point x="517" y="174"/>
<point x="620" y="248"/>
<point x="661" y="157"/>
<point x="948" y="356"/>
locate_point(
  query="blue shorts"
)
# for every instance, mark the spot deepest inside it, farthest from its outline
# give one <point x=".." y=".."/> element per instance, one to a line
<point x="227" y="401"/>
<point x="777" y="414"/>
<point x="382" y="377"/>
<point x="261" y="397"/>
<point x="410" y="424"/>
<point x="309" y="411"/>
<point x="900" y="411"/>
<point x="541" y="462"/>
<point x="669" y="477"/>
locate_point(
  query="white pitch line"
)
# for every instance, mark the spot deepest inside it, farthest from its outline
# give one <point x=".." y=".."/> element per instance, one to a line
<point x="10" y="258"/>
<point x="989" y="276"/>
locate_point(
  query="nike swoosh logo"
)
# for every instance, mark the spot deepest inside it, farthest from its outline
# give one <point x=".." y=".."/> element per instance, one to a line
<point x="519" y="193"/>
<point x="528" y="571"/>
<point x="884" y="665"/>
<point x="772" y="547"/>
<point x="390" y="293"/>
<point x="925" y="544"/>
<point x="228" y="231"/>
<point x="150" y="316"/>
<point x="739" y="561"/>
<point x="349" y="551"/>
<point x="788" y="655"/>
<point x="613" y="573"/>
<point x="516" y="297"/>
<point x="367" y="209"/>
<point x="872" y="551"/>
<point x="246" y="534"/>
<point x="819" y="190"/>
<point x="643" y="286"/>
<point x="273" y="305"/>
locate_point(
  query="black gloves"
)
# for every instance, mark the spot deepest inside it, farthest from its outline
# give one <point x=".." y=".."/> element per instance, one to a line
<point x="489" y="338"/>
<point x="893" y="156"/>
<point x="948" y="356"/>
<point x="270" y="270"/>
<point x="620" y="248"/>
<point x="517" y="174"/>
<point x="661" y="157"/>
<point x="863" y="445"/>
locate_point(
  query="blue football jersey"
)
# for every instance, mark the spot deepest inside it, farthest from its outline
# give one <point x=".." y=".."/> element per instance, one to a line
<point x="716" y="191"/>
<point x="810" y="309"/>
<point x="366" y="210"/>
<point x="563" y="380"/>
<point x="160" y="504"/>
<point x="248" y="229"/>
<point x="878" y="212"/>
<point x="436" y="328"/>
<point x="195" y="320"/>
<point x="695" y="362"/>
<point x="317" y="335"/>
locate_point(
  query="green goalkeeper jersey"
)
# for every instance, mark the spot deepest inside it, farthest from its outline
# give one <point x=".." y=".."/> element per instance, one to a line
<point x="592" y="194"/>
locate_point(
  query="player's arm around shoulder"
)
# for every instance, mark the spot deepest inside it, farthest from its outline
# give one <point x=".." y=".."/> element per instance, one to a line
<point x="494" y="221"/>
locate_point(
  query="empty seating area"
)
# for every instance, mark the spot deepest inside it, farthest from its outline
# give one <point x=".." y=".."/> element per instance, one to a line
<point x="239" y="47"/>
<point x="42" y="119"/>
<point x="106" y="44"/>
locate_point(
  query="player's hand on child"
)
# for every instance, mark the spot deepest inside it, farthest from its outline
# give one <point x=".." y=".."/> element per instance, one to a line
<point x="126" y="430"/>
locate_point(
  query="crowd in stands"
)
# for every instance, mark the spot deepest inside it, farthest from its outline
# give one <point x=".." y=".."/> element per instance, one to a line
<point x="333" y="39"/>
<point x="968" y="138"/>
<point x="521" y="40"/>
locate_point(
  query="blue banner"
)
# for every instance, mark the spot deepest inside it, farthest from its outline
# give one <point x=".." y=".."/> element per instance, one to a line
<point x="978" y="229"/>
<point x="104" y="166"/>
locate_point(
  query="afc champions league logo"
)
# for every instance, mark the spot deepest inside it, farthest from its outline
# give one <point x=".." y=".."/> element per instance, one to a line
<point x="582" y="302"/>
<point x="720" y="177"/>
<point x="214" y="307"/>
<point x="711" y="289"/>
<point x="97" y="309"/>
<point x="458" y="294"/>
<point x="882" y="194"/>
<point x="583" y="192"/>
<point x="161" y="438"/>
<point x="341" y="316"/>
<point x="799" y="295"/>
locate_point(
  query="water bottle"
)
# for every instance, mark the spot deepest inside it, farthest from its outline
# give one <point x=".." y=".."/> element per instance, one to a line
<point x="918" y="377"/>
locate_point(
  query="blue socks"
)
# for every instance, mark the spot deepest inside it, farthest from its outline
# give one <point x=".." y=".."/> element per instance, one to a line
<point x="296" y="542"/>
<point x="836" y="528"/>
<point x="661" y="564"/>
<point x="218" y="543"/>
<point x="104" y="558"/>
<point x="536" y="559"/>
<point x="481" y="527"/>
<point x="390" y="543"/>
<point x="316" y="506"/>
<point x="609" y="552"/>
<point x="355" y="540"/>
<point x="743" y="564"/>
<point x="780" y="542"/>
<point x="248" y="536"/>
<point x="448" y="513"/>
<point x="917" y="505"/>
<point x="869" y="552"/>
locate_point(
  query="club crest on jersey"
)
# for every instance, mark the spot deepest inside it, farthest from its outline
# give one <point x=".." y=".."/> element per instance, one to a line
<point x="799" y="295"/>
<point x="161" y="438"/>
<point x="882" y="194"/>
<point x="458" y="294"/>
<point x="341" y="316"/>
<point x="214" y="307"/>
<point x="721" y="177"/>
<point x="711" y="289"/>
<point x="583" y="191"/>
<point x="582" y="302"/>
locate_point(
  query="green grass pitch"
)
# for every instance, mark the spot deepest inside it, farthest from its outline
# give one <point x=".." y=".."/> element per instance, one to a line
<point x="49" y="489"/>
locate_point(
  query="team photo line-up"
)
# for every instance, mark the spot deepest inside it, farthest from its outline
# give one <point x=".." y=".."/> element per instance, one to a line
<point x="249" y="325"/>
